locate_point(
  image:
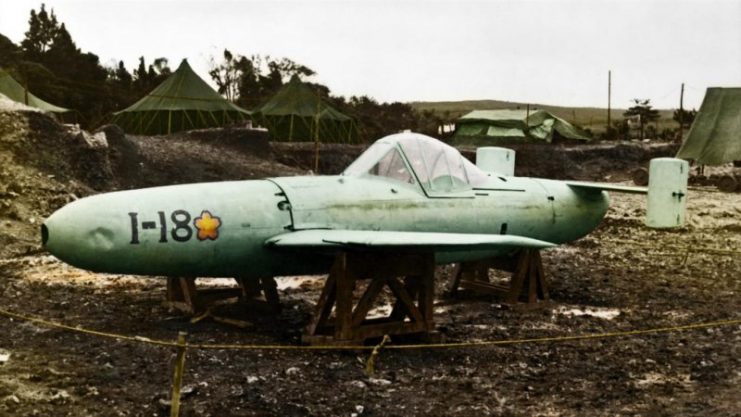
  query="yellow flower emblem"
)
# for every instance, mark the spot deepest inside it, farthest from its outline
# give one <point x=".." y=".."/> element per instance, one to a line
<point x="207" y="225"/>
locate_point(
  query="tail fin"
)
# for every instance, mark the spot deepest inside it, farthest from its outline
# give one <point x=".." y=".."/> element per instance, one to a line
<point x="667" y="192"/>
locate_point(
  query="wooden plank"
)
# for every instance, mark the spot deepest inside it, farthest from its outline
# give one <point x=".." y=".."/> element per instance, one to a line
<point x="324" y="304"/>
<point x="366" y="300"/>
<point x="518" y="277"/>
<point x="393" y="328"/>
<point x="486" y="288"/>
<point x="480" y="270"/>
<point x="343" y="303"/>
<point x="427" y="291"/>
<point x="270" y="289"/>
<point x="411" y="286"/>
<point x="188" y="290"/>
<point x="457" y="275"/>
<point x="251" y="287"/>
<point x="543" y="287"/>
<point x="532" y="289"/>
<point x="404" y="302"/>
<point x="173" y="291"/>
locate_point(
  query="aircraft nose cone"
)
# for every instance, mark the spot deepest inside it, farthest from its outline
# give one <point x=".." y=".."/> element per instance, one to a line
<point x="44" y="234"/>
<point x="52" y="232"/>
<point x="73" y="235"/>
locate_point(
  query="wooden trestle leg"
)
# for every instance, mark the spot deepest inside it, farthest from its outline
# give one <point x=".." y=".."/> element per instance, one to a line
<point x="412" y="311"/>
<point x="183" y="295"/>
<point x="528" y="282"/>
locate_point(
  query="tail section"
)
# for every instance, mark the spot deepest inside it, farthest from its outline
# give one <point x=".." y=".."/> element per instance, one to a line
<point x="667" y="192"/>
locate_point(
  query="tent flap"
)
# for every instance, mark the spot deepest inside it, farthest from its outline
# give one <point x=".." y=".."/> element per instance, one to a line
<point x="715" y="135"/>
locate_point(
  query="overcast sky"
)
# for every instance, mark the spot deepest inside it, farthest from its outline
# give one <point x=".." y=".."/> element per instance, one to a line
<point x="550" y="52"/>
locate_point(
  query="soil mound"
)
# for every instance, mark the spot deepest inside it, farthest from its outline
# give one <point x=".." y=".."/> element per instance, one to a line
<point x="45" y="165"/>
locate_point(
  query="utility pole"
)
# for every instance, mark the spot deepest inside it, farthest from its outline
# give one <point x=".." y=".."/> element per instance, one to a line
<point x="681" y="113"/>
<point x="609" y="97"/>
<point x="316" y="133"/>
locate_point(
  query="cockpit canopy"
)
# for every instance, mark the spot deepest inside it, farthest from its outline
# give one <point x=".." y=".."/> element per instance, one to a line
<point x="414" y="158"/>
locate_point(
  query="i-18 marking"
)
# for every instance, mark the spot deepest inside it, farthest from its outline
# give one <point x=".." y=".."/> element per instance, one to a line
<point x="206" y="226"/>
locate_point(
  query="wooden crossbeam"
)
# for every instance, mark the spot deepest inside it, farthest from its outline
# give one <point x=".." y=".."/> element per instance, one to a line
<point x="527" y="282"/>
<point x="183" y="295"/>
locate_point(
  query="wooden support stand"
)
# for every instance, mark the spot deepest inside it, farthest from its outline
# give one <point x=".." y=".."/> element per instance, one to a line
<point x="183" y="295"/>
<point x="412" y="308"/>
<point x="528" y="282"/>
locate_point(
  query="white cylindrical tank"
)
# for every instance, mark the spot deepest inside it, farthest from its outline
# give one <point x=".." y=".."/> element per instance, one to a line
<point x="667" y="192"/>
<point x="496" y="159"/>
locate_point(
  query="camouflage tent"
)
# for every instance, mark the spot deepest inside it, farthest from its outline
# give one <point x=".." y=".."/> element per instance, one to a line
<point x="507" y="126"/>
<point x="715" y="135"/>
<point x="10" y="88"/>
<point x="182" y="102"/>
<point x="297" y="113"/>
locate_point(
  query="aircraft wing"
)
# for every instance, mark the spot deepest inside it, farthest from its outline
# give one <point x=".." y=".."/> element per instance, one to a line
<point x="336" y="239"/>
<point x="596" y="186"/>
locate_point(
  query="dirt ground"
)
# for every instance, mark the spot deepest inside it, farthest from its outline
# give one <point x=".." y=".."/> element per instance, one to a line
<point x="621" y="277"/>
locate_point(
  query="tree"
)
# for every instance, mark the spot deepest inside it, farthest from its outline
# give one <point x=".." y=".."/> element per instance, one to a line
<point x="9" y="52"/>
<point x="122" y="76"/>
<point x="141" y="77"/>
<point x="146" y="78"/>
<point x="645" y="113"/>
<point x="63" y="56"/>
<point x="685" y="117"/>
<point x="249" y="81"/>
<point x="226" y="75"/>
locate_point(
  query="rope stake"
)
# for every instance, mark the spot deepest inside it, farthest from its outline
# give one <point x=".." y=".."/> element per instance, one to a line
<point x="177" y="378"/>
<point x="370" y="364"/>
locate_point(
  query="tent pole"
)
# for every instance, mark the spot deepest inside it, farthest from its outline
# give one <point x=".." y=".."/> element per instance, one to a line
<point x="186" y="117"/>
<point x="216" y="121"/>
<point x="169" y="122"/>
<point x="681" y="113"/>
<point x="290" y="130"/>
<point x="316" y="133"/>
<point x="316" y="146"/>
<point x="609" y="100"/>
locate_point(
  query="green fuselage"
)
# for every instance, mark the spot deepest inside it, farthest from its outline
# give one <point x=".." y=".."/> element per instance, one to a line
<point x="220" y="229"/>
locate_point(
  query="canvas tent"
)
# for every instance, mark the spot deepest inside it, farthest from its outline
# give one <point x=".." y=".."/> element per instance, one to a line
<point x="293" y="112"/>
<point x="715" y="135"/>
<point x="182" y="102"/>
<point x="507" y="126"/>
<point x="10" y="88"/>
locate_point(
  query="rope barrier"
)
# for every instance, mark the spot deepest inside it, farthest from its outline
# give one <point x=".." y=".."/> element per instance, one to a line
<point x="481" y="343"/>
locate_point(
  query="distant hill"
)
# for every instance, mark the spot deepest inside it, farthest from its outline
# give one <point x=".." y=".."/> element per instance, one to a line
<point x="593" y="118"/>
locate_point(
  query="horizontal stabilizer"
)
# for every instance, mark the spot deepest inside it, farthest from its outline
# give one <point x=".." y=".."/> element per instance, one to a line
<point x="334" y="239"/>
<point x="596" y="186"/>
